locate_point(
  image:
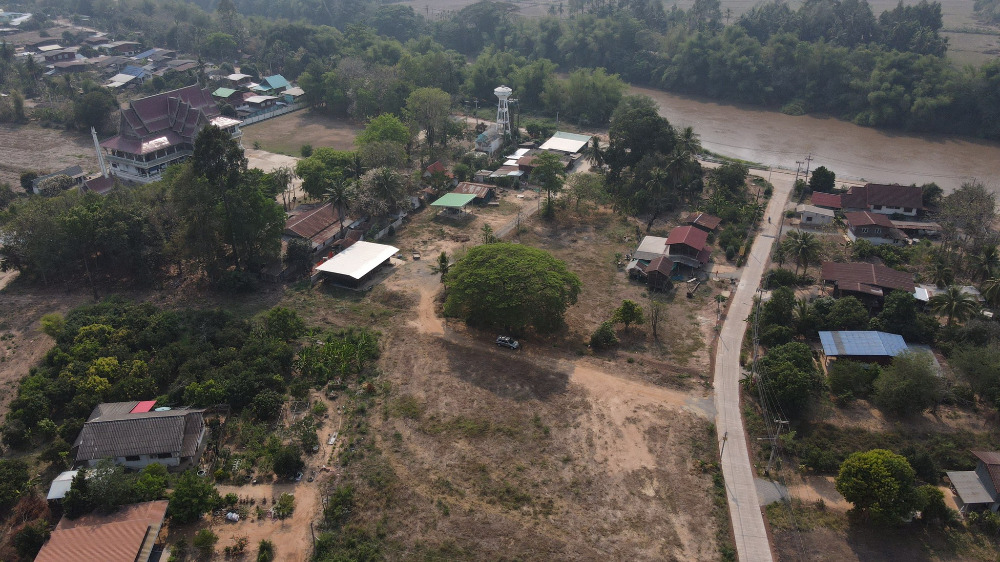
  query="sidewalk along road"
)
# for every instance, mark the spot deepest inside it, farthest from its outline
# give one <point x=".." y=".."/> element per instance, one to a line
<point x="744" y="508"/>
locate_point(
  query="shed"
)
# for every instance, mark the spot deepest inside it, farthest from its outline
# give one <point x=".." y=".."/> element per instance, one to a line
<point x="650" y="248"/>
<point x="568" y="143"/>
<point x="976" y="490"/>
<point x="484" y="192"/>
<point x="454" y="201"/>
<point x="658" y="274"/>
<point x="704" y="221"/>
<point x="355" y="266"/>
<point x="61" y="485"/>
<point x="811" y="214"/>
<point x="869" y="346"/>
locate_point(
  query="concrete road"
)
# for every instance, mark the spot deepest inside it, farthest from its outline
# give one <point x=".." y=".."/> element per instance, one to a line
<point x="744" y="508"/>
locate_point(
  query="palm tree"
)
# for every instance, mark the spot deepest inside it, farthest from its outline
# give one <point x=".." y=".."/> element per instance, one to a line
<point x="991" y="291"/>
<point x="803" y="247"/>
<point x="955" y="304"/>
<point x="595" y="153"/>
<point x="802" y="314"/>
<point x="986" y="263"/>
<point x="338" y="193"/>
<point x="356" y="167"/>
<point x="941" y="273"/>
<point x="688" y="143"/>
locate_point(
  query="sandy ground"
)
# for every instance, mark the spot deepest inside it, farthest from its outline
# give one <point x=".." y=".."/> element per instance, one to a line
<point x="30" y="148"/>
<point x="286" y="134"/>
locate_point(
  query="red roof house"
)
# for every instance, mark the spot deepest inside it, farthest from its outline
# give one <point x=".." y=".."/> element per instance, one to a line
<point x="319" y="225"/>
<point x="884" y="199"/>
<point x="866" y="278"/>
<point x="483" y="192"/>
<point x="128" y="535"/>
<point x="826" y="200"/>
<point x="686" y="245"/>
<point x="874" y="227"/>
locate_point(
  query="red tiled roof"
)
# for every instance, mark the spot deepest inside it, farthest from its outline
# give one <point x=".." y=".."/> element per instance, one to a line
<point x="310" y="223"/>
<point x="480" y="190"/>
<point x="861" y="197"/>
<point x="689" y="236"/>
<point x="100" y="185"/>
<point x="702" y="219"/>
<point x="118" y="537"/>
<point x="866" y="218"/>
<point x="828" y="200"/>
<point x="850" y="277"/>
<point x="436" y="167"/>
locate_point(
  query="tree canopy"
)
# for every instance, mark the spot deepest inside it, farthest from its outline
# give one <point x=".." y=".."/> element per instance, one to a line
<point x="510" y="287"/>
<point x="880" y="484"/>
<point x="909" y="385"/>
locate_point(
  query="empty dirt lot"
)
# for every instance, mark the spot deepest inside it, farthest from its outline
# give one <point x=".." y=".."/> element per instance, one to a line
<point x="30" y="148"/>
<point x="286" y="134"/>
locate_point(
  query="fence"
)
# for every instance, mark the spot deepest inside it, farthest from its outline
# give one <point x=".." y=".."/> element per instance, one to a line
<point x="269" y="114"/>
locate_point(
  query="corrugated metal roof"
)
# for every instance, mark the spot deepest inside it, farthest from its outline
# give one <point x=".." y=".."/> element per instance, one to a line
<point x="861" y="344"/>
<point x="480" y="190"/>
<point x="831" y="200"/>
<point x="803" y="208"/>
<point x="860" y="197"/>
<point x="689" y="236"/>
<point x="969" y="487"/>
<point x="992" y="461"/>
<point x="703" y="219"/>
<point x="358" y="260"/>
<point x="61" y="485"/>
<point x="650" y="248"/>
<point x="118" y="537"/>
<point x="454" y="200"/>
<point x="866" y="218"/>
<point x="875" y="275"/>
<point x="114" y="431"/>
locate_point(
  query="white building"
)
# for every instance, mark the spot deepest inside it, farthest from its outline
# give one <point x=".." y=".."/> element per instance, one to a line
<point x="812" y="215"/>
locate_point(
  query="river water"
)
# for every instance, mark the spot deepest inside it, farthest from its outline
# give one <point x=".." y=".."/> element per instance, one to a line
<point x="852" y="152"/>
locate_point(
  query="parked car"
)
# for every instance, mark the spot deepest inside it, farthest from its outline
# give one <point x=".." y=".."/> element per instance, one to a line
<point x="507" y="341"/>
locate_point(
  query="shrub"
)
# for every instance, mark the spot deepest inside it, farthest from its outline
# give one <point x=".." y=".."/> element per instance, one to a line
<point x="776" y="335"/>
<point x="909" y="386"/>
<point x="850" y="379"/>
<point x="205" y="541"/>
<point x="604" y="337"/>
<point x="306" y="150"/>
<point x="265" y="551"/>
<point x="780" y="278"/>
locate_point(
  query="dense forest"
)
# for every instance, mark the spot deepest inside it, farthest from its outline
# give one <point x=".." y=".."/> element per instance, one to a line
<point x="832" y="57"/>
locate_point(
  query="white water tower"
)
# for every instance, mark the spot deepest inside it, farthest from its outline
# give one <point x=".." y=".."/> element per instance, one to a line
<point x="503" y="114"/>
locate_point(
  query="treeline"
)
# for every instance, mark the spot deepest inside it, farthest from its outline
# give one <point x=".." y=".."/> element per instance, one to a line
<point x="829" y="56"/>
<point x="210" y="216"/>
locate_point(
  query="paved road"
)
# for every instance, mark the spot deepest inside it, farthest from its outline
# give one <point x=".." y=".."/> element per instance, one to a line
<point x="744" y="507"/>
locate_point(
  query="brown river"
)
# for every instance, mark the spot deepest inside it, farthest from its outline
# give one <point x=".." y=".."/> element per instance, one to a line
<point x="852" y="152"/>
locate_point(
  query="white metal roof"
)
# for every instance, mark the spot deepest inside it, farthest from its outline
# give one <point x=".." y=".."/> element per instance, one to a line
<point x="259" y="99"/>
<point x="61" y="485"/>
<point x="358" y="259"/>
<point x="969" y="487"/>
<point x="223" y="122"/>
<point x="803" y="208"/>
<point x="566" y="142"/>
<point x="238" y="76"/>
<point x="650" y="248"/>
<point x="294" y="91"/>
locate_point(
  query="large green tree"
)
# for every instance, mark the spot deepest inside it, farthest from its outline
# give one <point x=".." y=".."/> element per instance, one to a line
<point x="512" y="287"/>
<point x="549" y="173"/>
<point x="788" y="371"/>
<point x="385" y="127"/>
<point x="880" y="484"/>
<point x="430" y="109"/>
<point x="192" y="497"/>
<point x="909" y="385"/>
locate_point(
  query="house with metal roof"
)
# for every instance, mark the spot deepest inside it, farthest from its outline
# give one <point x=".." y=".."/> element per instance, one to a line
<point x="484" y="193"/>
<point x="74" y="172"/>
<point x="873" y="227"/>
<point x="884" y="199"/>
<point x="827" y="200"/>
<point x="134" y="434"/>
<point x="867" y="346"/>
<point x="811" y="215"/>
<point x="687" y="245"/>
<point x="272" y="85"/>
<point x="127" y="535"/>
<point x="976" y="490"/>
<point x="866" y="279"/>
<point x="321" y="225"/>
<point x="650" y="248"/>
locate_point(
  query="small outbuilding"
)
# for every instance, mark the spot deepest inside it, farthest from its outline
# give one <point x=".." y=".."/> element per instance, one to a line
<point x="484" y="193"/>
<point x="454" y="203"/>
<point x="61" y="485"/>
<point x="658" y="274"/>
<point x="813" y="215"/>
<point x="703" y="221"/>
<point x="866" y="346"/>
<point x="356" y="265"/>
<point x="976" y="490"/>
<point x="567" y="143"/>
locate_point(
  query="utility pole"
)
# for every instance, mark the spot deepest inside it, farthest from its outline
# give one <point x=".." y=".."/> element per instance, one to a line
<point x="808" y="162"/>
<point x="774" y="446"/>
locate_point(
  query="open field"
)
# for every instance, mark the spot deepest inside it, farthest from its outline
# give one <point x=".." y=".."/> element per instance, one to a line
<point x="31" y="148"/>
<point x="286" y="134"/>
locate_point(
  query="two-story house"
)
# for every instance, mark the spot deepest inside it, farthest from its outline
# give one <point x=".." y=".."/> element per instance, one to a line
<point x="884" y="199"/>
<point x="873" y="227"/>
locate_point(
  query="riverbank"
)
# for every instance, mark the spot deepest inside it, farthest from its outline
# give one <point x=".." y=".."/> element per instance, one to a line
<point x="853" y="152"/>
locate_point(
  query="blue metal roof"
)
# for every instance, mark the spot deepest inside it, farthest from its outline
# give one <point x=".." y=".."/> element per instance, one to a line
<point x="862" y="343"/>
<point x="134" y="71"/>
<point x="145" y="54"/>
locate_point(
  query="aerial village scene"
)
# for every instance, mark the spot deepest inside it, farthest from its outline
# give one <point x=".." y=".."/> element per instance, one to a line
<point x="352" y="280"/>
